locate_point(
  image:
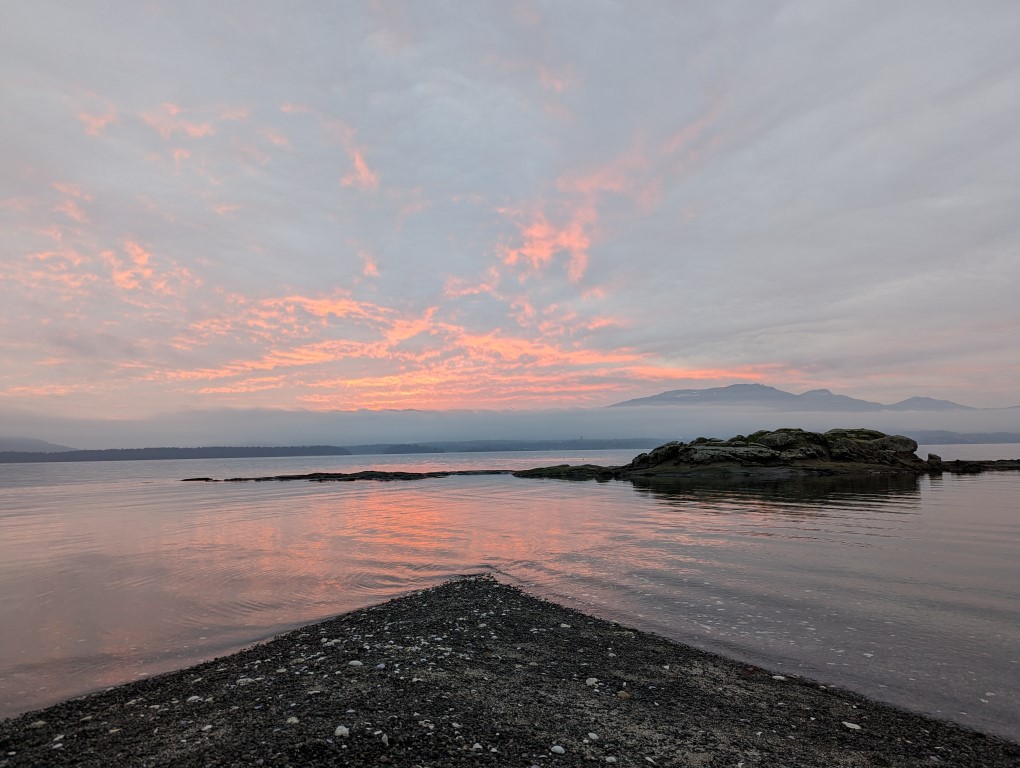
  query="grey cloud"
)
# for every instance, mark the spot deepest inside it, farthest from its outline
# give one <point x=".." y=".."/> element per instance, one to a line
<point x="844" y="201"/>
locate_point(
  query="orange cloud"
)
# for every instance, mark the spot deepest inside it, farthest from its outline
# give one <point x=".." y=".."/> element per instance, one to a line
<point x="96" y="124"/>
<point x="72" y="210"/>
<point x="457" y="287"/>
<point x="137" y="272"/>
<point x="369" y="268"/>
<point x="166" y="123"/>
<point x="362" y="176"/>
<point x="541" y="240"/>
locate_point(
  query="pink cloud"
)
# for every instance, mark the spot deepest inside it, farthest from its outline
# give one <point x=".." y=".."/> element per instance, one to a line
<point x="276" y="138"/>
<point x="16" y="204"/>
<point x="235" y="114"/>
<point x="71" y="190"/>
<point x="369" y="268"/>
<point x="456" y="287"/>
<point x="166" y="122"/>
<point x="72" y="210"/>
<point x="135" y="271"/>
<point x="362" y="176"/>
<point x="541" y="240"/>
<point x="96" y="124"/>
<point x="180" y="155"/>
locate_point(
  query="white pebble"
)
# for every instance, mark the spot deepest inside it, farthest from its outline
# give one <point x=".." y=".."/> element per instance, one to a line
<point x="610" y="759"/>
<point x="852" y="726"/>
<point x="292" y="720"/>
<point x="380" y="666"/>
<point x="557" y="749"/>
<point x="593" y="736"/>
<point x="354" y="663"/>
<point x="565" y="626"/>
<point x="193" y="699"/>
<point x="476" y="746"/>
<point x="592" y="681"/>
<point x="206" y="727"/>
<point x="342" y="731"/>
<point x="778" y="677"/>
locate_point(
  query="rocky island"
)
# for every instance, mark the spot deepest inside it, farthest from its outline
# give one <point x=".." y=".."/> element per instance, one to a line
<point x="766" y="454"/>
<point x="779" y="453"/>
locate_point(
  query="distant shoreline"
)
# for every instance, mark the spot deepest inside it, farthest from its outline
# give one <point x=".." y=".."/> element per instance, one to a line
<point x="246" y="452"/>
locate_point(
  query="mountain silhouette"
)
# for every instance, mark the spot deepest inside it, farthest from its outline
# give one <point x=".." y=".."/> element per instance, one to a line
<point x="762" y="396"/>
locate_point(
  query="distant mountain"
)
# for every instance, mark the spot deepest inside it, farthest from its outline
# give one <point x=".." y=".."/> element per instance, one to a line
<point x="30" y="445"/>
<point x="157" y="454"/>
<point x="943" y="437"/>
<point x="762" y="396"/>
<point x="926" y="404"/>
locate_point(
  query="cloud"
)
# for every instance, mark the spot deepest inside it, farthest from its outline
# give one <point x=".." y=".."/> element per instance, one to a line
<point x="506" y="204"/>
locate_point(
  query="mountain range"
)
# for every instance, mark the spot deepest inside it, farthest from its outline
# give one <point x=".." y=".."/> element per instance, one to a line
<point x="762" y="396"/>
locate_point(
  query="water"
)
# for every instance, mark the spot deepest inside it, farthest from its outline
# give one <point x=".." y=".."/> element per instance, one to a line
<point x="905" y="589"/>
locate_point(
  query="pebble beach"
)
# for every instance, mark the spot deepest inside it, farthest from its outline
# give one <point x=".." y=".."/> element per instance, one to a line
<point x="477" y="672"/>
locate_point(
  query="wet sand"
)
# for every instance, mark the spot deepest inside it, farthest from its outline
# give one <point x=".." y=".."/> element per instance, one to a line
<point x="475" y="672"/>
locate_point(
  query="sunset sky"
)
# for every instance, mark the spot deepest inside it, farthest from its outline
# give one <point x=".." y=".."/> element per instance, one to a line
<point x="432" y="205"/>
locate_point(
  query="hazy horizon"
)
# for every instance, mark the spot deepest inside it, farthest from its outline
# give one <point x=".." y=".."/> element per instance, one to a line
<point x="287" y="427"/>
<point x="487" y="206"/>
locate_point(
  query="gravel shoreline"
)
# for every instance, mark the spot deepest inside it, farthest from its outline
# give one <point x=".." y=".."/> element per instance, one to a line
<point x="475" y="672"/>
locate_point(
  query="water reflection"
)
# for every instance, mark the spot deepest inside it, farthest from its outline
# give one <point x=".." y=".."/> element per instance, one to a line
<point x="900" y="493"/>
<point x="882" y="584"/>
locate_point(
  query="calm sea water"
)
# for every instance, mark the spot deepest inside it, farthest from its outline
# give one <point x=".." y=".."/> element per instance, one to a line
<point x="905" y="589"/>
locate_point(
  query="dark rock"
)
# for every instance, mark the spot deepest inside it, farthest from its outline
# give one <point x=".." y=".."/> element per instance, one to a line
<point x="568" y="472"/>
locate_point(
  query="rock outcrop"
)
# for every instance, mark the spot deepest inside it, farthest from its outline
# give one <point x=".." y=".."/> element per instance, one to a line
<point x="774" y="453"/>
<point x="835" y="451"/>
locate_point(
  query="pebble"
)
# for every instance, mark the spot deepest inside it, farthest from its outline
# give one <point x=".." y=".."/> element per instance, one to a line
<point x="355" y="663"/>
<point x="476" y="746"/>
<point x="852" y="726"/>
<point x="623" y="694"/>
<point x="342" y="731"/>
<point x="206" y="727"/>
<point x="592" y="681"/>
<point x="593" y="736"/>
<point x="291" y="720"/>
<point x="557" y="749"/>
<point x="193" y="699"/>
<point x="610" y="759"/>
<point x="778" y="677"/>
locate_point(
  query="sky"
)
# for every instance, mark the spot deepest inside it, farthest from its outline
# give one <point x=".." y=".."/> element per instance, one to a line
<point x="325" y="206"/>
